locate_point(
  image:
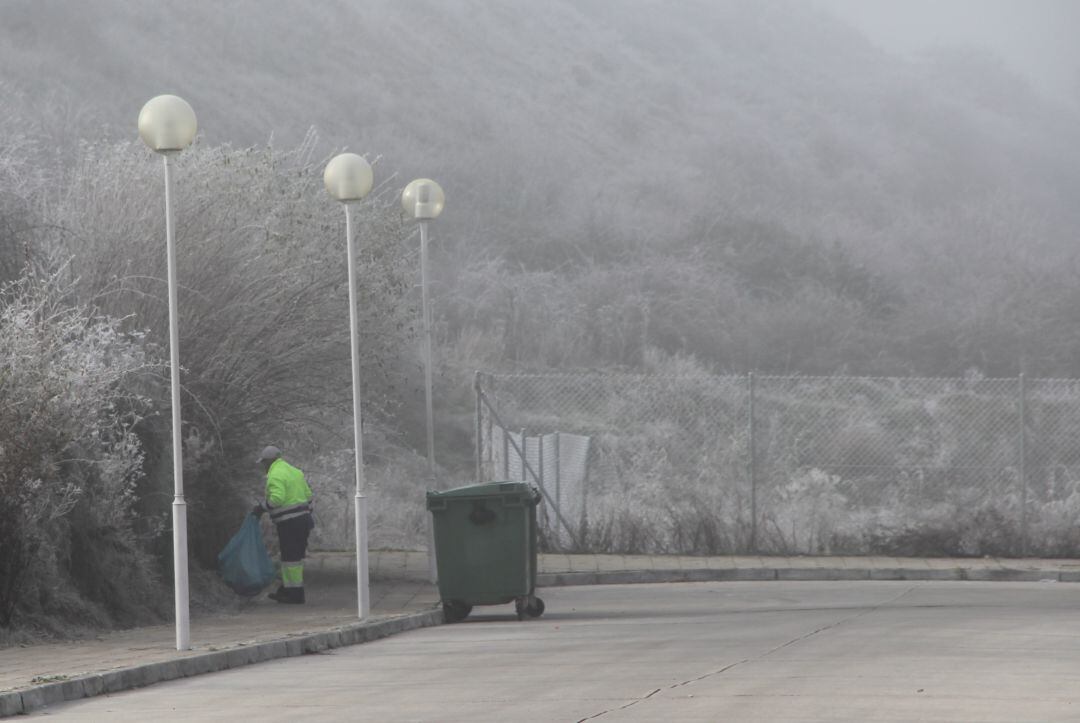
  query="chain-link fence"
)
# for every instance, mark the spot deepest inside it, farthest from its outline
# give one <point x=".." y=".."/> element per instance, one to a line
<point x="796" y="465"/>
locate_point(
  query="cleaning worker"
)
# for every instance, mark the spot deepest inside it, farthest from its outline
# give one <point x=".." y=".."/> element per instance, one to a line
<point x="288" y="500"/>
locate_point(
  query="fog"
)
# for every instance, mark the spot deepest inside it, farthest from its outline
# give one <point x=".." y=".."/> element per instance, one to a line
<point x="882" y="167"/>
<point x="844" y="232"/>
<point x="1034" y="39"/>
<point x="867" y="165"/>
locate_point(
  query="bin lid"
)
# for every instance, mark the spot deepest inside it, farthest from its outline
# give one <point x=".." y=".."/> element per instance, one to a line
<point x="491" y="489"/>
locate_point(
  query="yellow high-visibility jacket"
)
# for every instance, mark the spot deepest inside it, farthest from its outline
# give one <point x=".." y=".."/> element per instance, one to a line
<point x="287" y="492"/>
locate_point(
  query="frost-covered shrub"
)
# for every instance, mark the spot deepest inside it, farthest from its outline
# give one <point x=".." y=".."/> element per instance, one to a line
<point x="842" y="465"/>
<point x="70" y="460"/>
<point x="805" y="514"/>
<point x="263" y="308"/>
<point x="645" y="496"/>
<point x="20" y="181"/>
<point x="395" y="483"/>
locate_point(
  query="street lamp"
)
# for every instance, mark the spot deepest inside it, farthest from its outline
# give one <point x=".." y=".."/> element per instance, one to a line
<point x="423" y="199"/>
<point x="348" y="178"/>
<point x="167" y="125"/>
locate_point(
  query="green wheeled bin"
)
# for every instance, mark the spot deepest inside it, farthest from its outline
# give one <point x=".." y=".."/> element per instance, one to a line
<point x="485" y="547"/>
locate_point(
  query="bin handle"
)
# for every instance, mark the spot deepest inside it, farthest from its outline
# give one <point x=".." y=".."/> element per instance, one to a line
<point x="520" y="500"/>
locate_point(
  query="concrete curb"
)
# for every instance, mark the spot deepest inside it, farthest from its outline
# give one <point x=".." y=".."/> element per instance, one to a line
<point x="27" y="700"/>
<point x="636" y="577"/>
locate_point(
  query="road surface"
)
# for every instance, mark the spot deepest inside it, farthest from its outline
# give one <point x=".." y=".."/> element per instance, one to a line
<point x="740" y="651"/>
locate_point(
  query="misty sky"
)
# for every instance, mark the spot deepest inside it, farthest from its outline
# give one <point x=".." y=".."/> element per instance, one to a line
<point x="1035" y="38"/>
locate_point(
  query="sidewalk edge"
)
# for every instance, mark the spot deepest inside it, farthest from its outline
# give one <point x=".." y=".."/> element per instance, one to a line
<point x="27" y="700"/>
<point x="636" y="577"/>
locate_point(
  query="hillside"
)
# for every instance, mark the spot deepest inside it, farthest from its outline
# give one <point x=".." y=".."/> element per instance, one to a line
<point x="744" y="181"/>
<point x="680" y="187"/>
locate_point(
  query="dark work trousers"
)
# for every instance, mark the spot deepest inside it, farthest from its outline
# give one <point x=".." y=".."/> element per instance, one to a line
<point x="293" y="537"/>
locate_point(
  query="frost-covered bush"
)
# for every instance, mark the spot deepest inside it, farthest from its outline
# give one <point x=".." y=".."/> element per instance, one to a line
<point x="395" y="483"/>
<point x="20" y="181"/>
<point x="71" y="460"/>
<point x="842" y="465"/>
<point x="804" y="514"/>
<point x="263" y="308"/>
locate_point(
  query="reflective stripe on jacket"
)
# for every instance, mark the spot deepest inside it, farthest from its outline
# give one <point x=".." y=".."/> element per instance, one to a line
<point x="287" y="492"/>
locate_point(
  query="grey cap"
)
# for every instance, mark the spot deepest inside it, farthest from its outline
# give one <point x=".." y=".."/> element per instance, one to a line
<point x="269" y="453"/>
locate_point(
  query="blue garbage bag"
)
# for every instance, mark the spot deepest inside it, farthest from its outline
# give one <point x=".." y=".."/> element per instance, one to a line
<point x="244" y="564"/>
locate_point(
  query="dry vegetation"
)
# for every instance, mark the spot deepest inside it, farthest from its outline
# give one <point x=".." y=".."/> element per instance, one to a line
<point x="747" y="184"/>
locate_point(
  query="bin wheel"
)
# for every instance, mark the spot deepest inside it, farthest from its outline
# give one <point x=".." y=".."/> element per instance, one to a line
<point x="535" y="608"/>
<point x="520" y="605"/>
<point x="455" y="611"/>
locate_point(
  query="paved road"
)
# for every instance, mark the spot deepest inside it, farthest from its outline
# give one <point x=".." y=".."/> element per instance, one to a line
<point x="742" y="651"/>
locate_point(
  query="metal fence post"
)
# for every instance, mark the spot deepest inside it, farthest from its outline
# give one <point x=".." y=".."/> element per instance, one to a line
<point x="489" y="435"/>
<point x="583" y="530"/>
<point x="479" y="428"/>
<point x="540" y="459"/>
<point x="1023" y="468"/>
<point x="558" y="473"/>
<point x="752" y="468"/>
<point x="506" y="452"/>
<point x="524" y="454"/>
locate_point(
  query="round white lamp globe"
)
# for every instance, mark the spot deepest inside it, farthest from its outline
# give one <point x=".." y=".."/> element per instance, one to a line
<point x="348" y="177"/>
<point x="423" y="199"/>
<point x="167" y="124"/>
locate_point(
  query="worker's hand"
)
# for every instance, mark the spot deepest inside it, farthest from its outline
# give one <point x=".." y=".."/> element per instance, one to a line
<point x="258" y="510"/>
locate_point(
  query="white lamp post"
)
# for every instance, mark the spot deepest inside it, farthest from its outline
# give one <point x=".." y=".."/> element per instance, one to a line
<point x="348" y="178"/>
<point x="167" y="125"/>
<point x="423" y="199"/>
